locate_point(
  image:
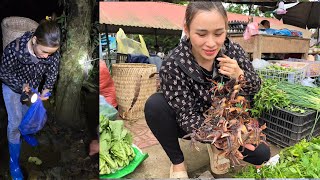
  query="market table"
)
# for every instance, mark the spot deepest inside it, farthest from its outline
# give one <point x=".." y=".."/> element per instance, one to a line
<point x="263" y="43"/>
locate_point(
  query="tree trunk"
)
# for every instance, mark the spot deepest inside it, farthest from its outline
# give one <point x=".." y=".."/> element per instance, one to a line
<point x="71" y="75"/>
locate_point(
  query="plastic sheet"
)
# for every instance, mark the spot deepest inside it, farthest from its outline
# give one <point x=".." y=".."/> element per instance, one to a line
<point x="138" y="159"/>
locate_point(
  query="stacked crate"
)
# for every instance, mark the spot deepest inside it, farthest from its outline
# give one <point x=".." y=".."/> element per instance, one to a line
<point x="285" y="128"/>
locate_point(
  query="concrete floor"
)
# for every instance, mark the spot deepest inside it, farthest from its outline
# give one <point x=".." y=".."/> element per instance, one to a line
<point x="157" y="164"/>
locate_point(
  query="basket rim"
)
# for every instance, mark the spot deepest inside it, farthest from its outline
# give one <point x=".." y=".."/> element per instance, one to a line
<point x="7" y="21"/>
<point x="130" y="65"/>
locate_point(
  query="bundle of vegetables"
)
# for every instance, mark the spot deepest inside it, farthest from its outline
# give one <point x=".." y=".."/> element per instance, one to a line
<point x="303" y="96"/>
<point x="299" y="161"/>
<point x="115" y="146"/>
<point x="269" y="96"/>
<point x="228" y="124"/>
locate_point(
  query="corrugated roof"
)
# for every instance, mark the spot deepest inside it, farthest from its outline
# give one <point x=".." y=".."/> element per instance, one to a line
<point x="159" y="15"/>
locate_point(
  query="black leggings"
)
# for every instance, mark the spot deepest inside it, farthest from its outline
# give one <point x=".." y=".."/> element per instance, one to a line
<point x="161" y="119"/>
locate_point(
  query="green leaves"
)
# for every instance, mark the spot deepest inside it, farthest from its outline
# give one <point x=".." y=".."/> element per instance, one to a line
<point x="268" y="97"/>
<point x="115" y="146"/>
<point x="302" y="96"/>
<point x="299" y="161"/>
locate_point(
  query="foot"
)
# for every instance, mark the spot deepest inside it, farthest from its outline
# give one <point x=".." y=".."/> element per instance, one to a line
<point x="178" y="171"/>
<point x="179" y="167"/>
<point x="15" y="170"/>
<point x="31" y="140"/>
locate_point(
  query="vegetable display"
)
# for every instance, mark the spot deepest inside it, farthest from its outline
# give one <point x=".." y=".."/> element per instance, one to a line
<point x="116" y="149"/>
<point x="303" y="96"/>
<point x="299" y="161"/>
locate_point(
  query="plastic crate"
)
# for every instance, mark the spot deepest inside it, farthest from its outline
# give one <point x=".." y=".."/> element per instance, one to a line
<point x="296" y="122"/>
<point x="287" y="126"/>
<point x="283" y="141"/>
<point x="295" y="76"/>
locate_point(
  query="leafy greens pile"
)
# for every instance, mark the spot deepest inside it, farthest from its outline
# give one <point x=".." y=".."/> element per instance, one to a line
<point x="269" y="96"/>
<point x="299" y="161"/>
<point x="116" y="149"/>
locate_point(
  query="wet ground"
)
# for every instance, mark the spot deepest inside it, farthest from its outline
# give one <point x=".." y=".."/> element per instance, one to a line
<point x="63" y="152"/>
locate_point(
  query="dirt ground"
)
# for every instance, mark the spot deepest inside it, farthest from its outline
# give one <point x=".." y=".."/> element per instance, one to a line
<point x="63" y="151"/>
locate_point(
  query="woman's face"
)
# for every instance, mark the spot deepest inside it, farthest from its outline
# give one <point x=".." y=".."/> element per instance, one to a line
<point x="43" y="51"/>
<point x="207" y="33"/>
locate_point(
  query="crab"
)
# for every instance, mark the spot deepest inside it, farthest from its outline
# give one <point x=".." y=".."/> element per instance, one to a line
<point x="228" y="125"/>
<point x="217" y="87"/>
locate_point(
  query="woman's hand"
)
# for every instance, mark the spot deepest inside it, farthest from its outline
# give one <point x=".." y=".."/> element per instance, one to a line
<point x="229" y="67"/>
<point x="26" y="88"/>
<point x="44" y="95"/>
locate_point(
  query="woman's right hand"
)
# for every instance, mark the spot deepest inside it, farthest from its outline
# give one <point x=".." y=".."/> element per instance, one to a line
<point x="26" y="88"/>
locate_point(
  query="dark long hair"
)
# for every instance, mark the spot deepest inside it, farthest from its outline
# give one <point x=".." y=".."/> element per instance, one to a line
<point x="48" y="32"/>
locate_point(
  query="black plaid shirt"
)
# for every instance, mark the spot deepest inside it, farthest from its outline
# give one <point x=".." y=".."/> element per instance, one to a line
<point x="19" y="67"/>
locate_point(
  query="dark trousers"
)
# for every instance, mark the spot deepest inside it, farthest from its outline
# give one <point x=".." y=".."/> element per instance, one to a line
<point x="161" y="119"/>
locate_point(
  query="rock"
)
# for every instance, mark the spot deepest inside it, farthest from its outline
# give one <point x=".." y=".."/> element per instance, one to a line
<point x="43" y="139"/>
<point x="67" y="156"/>
<point x="33" y="174"/>
<point x="55" y="173"/>
<point x="205" y="175"/>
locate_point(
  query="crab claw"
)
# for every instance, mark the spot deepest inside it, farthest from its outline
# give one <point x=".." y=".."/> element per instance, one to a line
<point x="225" y="135"/>
<point x="263" y="126"/>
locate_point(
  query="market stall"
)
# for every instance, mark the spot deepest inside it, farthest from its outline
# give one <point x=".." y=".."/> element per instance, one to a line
<point x="263" y="43"/>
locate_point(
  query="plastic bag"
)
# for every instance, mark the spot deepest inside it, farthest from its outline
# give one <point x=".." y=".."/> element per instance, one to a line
<point x="107" y="109"/>
<point x="138" y="159"/>
<point x="106" y="84"/>
<point x="34" y="119"/>
<point x="260" y="63"/>
<point x="130" y="46"/>
<point x="137" y="58"/>
<point x="308" y="82"/>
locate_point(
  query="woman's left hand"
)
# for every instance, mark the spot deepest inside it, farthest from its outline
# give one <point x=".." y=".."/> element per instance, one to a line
<point x="229" y="67"/>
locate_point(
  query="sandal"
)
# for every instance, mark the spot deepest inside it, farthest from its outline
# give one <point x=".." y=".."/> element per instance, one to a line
<point x="219" y="165"/>
<point x="179" y="174"/>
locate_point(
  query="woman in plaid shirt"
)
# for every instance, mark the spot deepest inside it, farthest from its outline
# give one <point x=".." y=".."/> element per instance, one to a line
<point x="24" y="63"/>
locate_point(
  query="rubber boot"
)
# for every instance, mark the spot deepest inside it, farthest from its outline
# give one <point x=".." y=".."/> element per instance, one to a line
<point x="30" y="139"/>
<point x="218" y="164"/>
<point x="15" y="170"/>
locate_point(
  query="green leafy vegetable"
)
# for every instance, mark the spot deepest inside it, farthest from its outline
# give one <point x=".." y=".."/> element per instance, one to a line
<point x="299" y="161"/>
<point x="268" y="97"/>
<point x="116" y="149"/>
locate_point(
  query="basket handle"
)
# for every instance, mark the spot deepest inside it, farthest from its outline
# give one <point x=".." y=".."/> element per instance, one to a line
<point x="152" y="75"/>
<point x="136" y="92"/>
<point x="137" y="89"/>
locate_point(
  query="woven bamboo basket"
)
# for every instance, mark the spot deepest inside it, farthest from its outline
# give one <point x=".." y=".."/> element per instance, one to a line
<point x="14" y="27"/>
<point x="134" y="83"/>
